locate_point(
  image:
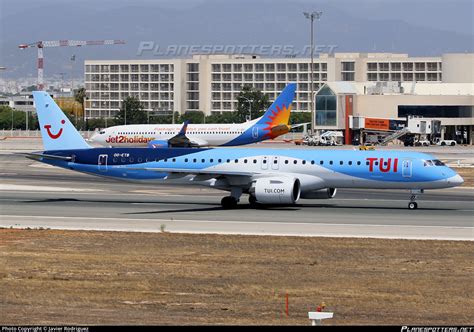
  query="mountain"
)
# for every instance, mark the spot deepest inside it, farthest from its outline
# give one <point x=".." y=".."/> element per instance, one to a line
<point x="366" y="27"/>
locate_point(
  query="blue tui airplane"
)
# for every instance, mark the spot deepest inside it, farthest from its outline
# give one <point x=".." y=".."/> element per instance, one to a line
<point x="268" y="176"/>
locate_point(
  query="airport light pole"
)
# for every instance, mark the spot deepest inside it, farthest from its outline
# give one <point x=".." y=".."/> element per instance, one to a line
<point x="311" y="16"/>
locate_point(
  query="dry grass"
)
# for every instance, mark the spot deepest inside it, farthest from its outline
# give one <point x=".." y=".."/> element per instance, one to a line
<point x="76" y="277"/>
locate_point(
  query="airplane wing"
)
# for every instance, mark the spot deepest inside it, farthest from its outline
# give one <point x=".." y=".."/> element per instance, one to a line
<point x="299" y="125"/>
<point x="190" y="171"/>
<point x="181" y="140"/>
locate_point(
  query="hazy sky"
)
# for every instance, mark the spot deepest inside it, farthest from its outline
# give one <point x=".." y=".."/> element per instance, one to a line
<point x="417" y="27"/>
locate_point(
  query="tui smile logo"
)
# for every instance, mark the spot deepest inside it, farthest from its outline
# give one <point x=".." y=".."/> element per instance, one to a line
<point x="50" y="134"/>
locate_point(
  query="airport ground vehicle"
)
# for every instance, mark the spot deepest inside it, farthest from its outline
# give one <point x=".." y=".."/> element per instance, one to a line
<point x="268" y="176"/>
<point x="422" y="143"/>
<point x="443" y="142"/>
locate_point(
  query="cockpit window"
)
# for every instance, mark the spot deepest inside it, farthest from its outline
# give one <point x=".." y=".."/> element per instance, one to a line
<point x="438" y="162"/>
<point x="102" y="132"/>
<point x="428" y="163"/>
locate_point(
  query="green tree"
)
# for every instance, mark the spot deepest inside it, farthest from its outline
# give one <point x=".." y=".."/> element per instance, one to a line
<point x="300" y="117"/>
<point x="251" y="101"/>
<point x="131" y="112"/>
<point x="80" y="97"/>
<point x="225" y="117"/>
<point x="192" y="117"/>
<point x="7" y="114"/>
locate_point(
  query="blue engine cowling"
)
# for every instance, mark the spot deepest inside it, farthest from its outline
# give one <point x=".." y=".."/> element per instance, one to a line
<point x="158" y="144"/>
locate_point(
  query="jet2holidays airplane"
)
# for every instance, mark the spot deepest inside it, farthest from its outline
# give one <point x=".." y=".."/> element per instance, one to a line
<point x="268" y="176"/>
<point x="273" y="123"/>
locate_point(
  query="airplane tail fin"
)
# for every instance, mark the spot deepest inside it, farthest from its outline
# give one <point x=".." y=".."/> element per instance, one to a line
<point x="57" y="131"/>
<point x="279" y="112"/>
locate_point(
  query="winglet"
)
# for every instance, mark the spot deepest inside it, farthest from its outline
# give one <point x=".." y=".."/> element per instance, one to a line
<point x="184" y="128"/>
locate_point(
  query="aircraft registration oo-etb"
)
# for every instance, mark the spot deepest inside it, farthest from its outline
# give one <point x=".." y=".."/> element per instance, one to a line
<point x="267" y="176"/>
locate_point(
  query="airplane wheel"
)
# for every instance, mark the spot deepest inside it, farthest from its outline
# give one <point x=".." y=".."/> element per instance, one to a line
<point x="228" y="202"/>
<point x="412" y="205"/>
<point x="252" y="200"/>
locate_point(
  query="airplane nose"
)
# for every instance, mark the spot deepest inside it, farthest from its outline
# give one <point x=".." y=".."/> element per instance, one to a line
<point x="456" y="180"/>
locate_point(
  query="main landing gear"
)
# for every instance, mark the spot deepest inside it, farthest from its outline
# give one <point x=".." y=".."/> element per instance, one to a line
<point x="413" y="205"/>
<point x="230" y="202"/>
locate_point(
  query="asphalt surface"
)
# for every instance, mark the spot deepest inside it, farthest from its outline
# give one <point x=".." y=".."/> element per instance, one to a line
<point x="37" y="195"/>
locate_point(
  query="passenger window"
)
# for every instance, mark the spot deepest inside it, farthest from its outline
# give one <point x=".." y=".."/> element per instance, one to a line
<point x="174" y="160"/>
<point x="341" y="163"/>
<point x="275" y="161"/>
<point x="330" y="162"/>
<point x="295" y="161"/>
<point x="165" y="160"/>
<point x="194" y="160"/>
<point x="286" y="161"/>
<point x="228" y="160"/>
<point x="350" y="163"/>
<point x="203" y="160"/>
<point x="264" y="161"/>
<point x="186" y="160"/>
<point x="212" y="160"/>
<point x="140" y="159"/>
<point x="219" y="160"/>
<point x="131" y="159"/>
<point x="245" y="161"/>
<point x="304" y="162"/>
<point x="312" y="162"/>
<point x="321" y="162"/>
<point x="358" y="163"/>
<point x="236" y="161"/>
<point x="255" y="161"/>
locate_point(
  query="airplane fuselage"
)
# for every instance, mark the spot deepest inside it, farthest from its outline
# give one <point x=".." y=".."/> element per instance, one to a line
<point x="205" y="135"/>
<point x="315" y="169"/>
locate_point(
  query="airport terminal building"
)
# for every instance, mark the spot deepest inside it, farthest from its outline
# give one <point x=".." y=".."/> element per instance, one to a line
<point x="211" y="84"/>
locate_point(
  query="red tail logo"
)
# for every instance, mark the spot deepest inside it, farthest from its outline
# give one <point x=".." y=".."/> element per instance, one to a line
<point x="50" y="134"/>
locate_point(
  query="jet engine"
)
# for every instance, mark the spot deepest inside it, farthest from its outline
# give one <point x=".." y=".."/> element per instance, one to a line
<point x="320" y="194"/>
<point x="158" y="144"/>
<point x="276" y="190"/>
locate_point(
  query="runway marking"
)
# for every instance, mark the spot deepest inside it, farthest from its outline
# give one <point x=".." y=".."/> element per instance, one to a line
<point x="232" y="222"/>
<point x="20" y="187"/>
<point x="254" y="228"/>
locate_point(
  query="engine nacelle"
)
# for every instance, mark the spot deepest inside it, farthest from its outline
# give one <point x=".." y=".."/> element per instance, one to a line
<point x="281" y="190"/>
<point x="320" y="194"/>
<point x="158" y="144"/>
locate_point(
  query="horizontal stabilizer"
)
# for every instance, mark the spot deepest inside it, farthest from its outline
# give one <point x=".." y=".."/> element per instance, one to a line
<point x="36" y="156"/>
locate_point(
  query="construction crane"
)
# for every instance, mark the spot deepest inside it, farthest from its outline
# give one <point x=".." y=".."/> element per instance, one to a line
<point x="58" y="43"/>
